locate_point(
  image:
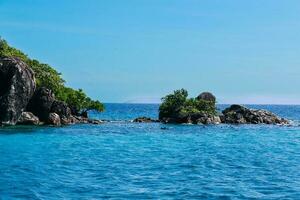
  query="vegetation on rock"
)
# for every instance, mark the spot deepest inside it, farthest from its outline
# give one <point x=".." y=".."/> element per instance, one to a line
<point x="48" y="77"/>
<point x="178" y="104"/>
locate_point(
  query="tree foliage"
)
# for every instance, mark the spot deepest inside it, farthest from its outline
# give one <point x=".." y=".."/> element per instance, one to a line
<point x="178" y="104"/>
<point x="47" y="76"/>
<point x="78" y="97"/>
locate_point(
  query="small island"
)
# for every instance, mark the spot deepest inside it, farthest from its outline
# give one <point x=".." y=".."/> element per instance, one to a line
<point x="178" y="108"/>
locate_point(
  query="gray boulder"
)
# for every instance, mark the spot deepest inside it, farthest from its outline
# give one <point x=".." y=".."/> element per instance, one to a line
<point x="207" y="96"/>
<point x="17" y="85"/>
<point x="27" y="118"/>
<point x="54" y="119"/>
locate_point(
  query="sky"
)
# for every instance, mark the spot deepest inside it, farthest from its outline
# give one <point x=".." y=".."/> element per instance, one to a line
<point x="137" y="51"/>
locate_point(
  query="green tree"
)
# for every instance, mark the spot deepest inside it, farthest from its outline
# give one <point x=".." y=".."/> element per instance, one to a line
<point x="177" y="104"/>
<point x="173" y="103"/>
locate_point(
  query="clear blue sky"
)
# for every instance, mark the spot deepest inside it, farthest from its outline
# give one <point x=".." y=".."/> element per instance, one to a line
<point x="140" y="50"/>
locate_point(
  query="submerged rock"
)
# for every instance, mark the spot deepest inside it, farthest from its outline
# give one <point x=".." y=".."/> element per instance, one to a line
<point x="17" y="85"/>
<point x="144" y="120"/>
<point x="95" y="121"/>
<point x="27" y="118"/>
<point x="41" y="103"/>
<point x="237" y="114"/>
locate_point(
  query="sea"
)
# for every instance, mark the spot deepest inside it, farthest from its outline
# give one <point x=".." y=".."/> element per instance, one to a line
<point x="125" y="160"/>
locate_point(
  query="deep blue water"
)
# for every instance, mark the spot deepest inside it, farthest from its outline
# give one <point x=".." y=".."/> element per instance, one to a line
<point x="123" y="160"/>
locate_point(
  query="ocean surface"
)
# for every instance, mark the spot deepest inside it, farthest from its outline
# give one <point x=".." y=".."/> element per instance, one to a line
<point x="125" y="160"/>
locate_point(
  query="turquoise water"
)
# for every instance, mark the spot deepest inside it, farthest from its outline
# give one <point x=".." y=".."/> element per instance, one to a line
<point x="123" y="160"/>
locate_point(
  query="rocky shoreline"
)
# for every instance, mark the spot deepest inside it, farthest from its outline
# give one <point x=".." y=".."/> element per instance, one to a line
<point x="235" y="114"/>
<point x="24" y="104"/>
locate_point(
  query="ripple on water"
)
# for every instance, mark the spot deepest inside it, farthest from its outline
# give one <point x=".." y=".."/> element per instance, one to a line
<point x="139" y="161"/>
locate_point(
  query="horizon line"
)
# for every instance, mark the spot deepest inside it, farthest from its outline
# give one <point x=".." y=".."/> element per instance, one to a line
<point x="271" y="104"/>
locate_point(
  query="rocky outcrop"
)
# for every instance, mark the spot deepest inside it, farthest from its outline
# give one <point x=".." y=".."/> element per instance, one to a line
<point x="17" y="85"/>
<point x="144" y="120"/>
<point x="41" y="103"/>
<point x="237" y="114"/>
<point x="21" y="103"/>
<point x="28" y="118"/>
<point x="53" y="112"/>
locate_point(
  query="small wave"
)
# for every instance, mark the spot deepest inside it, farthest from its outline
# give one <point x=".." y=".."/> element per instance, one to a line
<point x="294" y="123"/>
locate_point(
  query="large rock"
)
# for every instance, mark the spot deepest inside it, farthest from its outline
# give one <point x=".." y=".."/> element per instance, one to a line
<point x="207" y="119"/>
<point x="53" y="119"/>
<point x="41" y="103"/>
<point x="17" y="85"/>
<point x="237" y="114"/>
<point x="63" y="110"/>
<point x="27" y="118"/>
<point x="207" y="96"/>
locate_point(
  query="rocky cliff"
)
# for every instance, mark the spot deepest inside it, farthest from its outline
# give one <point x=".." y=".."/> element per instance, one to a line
<point x="17" y="85"/>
